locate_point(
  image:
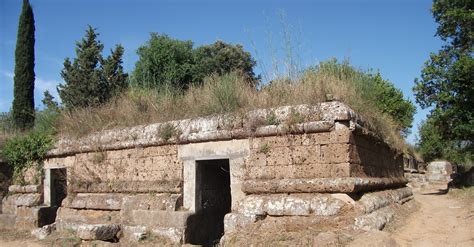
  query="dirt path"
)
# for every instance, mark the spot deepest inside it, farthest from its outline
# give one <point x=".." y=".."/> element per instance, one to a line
<point x="441" y="221"/>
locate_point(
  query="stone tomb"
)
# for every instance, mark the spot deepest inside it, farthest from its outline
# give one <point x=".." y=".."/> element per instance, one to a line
<point x="196" y="180"/>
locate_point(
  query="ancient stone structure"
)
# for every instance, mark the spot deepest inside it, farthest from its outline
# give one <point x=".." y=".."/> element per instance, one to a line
<point x="440" y="171"/>
<point x="190" y="181"/>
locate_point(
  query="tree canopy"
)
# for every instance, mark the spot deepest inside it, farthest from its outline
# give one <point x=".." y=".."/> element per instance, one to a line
<point x="91" y="80"/>
<point x="447" y="82"/>
<point x="221" y="58"/>
<point x="171" y="62"/>
<point x="23" y="108"/>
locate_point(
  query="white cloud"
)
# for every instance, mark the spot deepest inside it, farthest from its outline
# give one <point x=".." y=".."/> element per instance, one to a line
<point x="7" y="74"/>
<point x="42" y="85"/>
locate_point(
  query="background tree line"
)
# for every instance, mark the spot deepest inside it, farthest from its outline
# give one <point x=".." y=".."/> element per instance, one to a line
<point x="446" y="86"/>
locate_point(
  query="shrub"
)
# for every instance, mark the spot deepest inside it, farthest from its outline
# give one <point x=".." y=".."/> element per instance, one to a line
<point x="164" y="60"/>
<point x="22" y="151"/>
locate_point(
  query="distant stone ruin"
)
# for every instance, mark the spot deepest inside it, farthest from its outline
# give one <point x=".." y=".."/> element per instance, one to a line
<point x="218" y="178"/>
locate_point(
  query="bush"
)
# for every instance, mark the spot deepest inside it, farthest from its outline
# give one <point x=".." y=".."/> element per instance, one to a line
<point x="172" y="62"/>
<point x="22" y="151"/>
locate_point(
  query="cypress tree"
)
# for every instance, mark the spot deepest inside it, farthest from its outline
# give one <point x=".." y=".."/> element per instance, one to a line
<point x="23" y="109"/>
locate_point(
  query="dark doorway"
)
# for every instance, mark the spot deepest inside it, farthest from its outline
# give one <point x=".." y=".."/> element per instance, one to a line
<point x="58" y="186"/>
<point x="213" y="202"/>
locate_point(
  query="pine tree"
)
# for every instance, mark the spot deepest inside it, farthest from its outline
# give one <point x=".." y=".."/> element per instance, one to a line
<point x="89" y="79"/>
<point x="83" y="86"/>
<point x="112" y="72"/>
<point x="48" y="101"/>
<point x="23" y="109"/>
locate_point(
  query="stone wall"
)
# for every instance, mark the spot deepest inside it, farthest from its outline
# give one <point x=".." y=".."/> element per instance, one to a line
<point x="340" y="160"/>
<point x="134" y="183"/>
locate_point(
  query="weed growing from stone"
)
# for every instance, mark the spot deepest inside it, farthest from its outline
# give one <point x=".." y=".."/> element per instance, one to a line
<point x="168" y="131"/>
<point x="264" y="148"/>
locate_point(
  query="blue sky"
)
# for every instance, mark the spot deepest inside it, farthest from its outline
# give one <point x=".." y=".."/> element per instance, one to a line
<point x="394" y="37"/>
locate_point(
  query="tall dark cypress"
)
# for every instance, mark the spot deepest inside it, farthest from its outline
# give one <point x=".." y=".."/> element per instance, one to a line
<point x="23" y="109"/>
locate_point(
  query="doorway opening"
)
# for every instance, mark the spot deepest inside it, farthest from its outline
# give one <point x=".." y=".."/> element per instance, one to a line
<point x="213" y="201"/>
<point x="58" y="186"/>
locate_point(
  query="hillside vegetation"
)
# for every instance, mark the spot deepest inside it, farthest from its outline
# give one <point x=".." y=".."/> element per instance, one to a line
<point x="231" y="92"/>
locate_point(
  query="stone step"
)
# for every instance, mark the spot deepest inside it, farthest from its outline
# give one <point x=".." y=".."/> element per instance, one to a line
<point x="7" y="221"/>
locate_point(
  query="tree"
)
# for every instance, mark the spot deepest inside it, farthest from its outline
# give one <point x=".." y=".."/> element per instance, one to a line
<point x="389" y="99"/>
<point x="164" y="61"/>
<point x="167" y="61"/>
<point x="89" y="79"/>
<point x="447" y="79"/>
<point x="221" y="58"/>
<point x="112" y="72"/>
<point x="48" y="101"/>
<point x="430" y="143"/>
<point x="23" y="109"/>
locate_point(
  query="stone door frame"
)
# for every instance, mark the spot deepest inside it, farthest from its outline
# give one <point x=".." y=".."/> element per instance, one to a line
<point x="236" y="151"/>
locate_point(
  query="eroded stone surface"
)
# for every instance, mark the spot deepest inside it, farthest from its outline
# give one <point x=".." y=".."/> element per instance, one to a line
<point x="71" y="219"/>
<point x="42" y="232"/>
<point x="373" y="201"/>
<point x="234" y="221"/>
<point x="24" y="189"/>
<point x="10" y="203"/>
<point x="97" y="232"/>
<point x="375" y="220"/>
<point x="134" y="233"/>
<point x="173" y="234"/>
<point x="331" y="185"/>
<point x="292" y="205"/>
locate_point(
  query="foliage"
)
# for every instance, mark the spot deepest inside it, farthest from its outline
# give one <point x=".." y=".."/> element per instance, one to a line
<point x="48" y="101"/>
<point x="376" y="91"/>
<point x="446" y="83"/>
<point x="112" y="72"/>
<point x="389" y="99"/>
<point x="46" y="121"/>
<point x="272" y="119"/>
<point x="91" y="80"/>
<point x="221" y="58"/>
<point x="6" y="122"/>
<point x="232" y="93"/>
<point x="264" y="148"/>
<point x="164" y="61"/>
<point x="167" y="131"/>
<point x="22" y="151"/>
<point x="224" y="93"/>
<point x="24" y="81"/>
<point x="431" y="145"/>
<point x="168" y="62"/>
